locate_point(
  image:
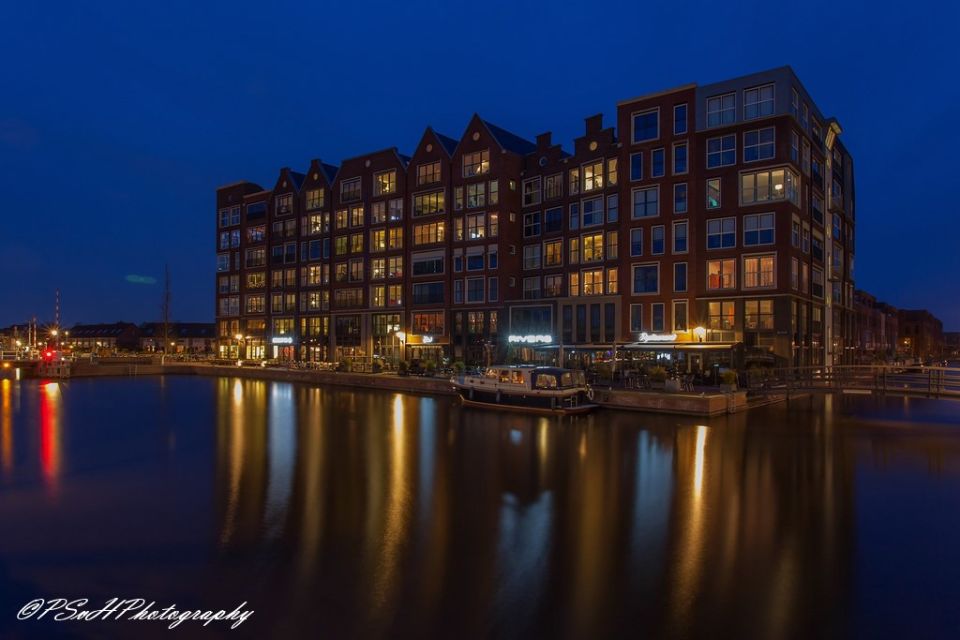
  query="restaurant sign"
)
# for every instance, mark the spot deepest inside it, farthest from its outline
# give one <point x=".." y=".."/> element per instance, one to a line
<point x="657" y="337"/>
<point x="531" y="339"/>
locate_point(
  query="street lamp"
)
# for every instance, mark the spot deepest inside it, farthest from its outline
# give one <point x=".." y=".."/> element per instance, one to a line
<point x="700" y="332"/>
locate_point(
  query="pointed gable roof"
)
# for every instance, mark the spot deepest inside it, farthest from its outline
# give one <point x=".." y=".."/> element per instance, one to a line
<point x="448" y="143"/>
<point x="329" y="171"/>
<point x="510" y="141"/>
<point x="294" y="178"/>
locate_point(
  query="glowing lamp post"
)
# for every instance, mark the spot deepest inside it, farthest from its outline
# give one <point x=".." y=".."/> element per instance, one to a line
<point x="700" y="332"/>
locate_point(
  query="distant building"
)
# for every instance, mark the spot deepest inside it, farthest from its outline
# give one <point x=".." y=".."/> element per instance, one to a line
<point x="182" y="337"/>
<point x="876" y="328"/>
<point x="118" y="336"/>
<point x="951" y="344"/>
<point x="921" y="334"/>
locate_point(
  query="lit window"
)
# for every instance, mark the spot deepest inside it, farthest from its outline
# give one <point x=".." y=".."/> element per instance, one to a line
<point x="385" y="183"/>
<point x="759" y="271"/>
<point x="722" y="274"/>
<point x="476" y="163"/>
<point x="768" y="185"/>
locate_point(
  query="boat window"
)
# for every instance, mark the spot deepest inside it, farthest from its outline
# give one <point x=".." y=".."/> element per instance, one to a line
<point x="504" y="375"/>
<point x="491" y="373"/>
<point x="581" y="379"/>
<point x="516" y="377"/>
<point x="546" y="381"/>
<point x="566" y="380"/>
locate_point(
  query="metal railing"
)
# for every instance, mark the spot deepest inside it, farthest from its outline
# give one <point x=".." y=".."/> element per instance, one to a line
<point x="933" y="382"/>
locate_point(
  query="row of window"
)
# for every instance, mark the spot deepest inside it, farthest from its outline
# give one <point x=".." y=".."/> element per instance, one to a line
<point x="586" y="178"/>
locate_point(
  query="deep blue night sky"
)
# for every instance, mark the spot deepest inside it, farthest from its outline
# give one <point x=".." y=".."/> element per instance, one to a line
<point x="118" y="123"/>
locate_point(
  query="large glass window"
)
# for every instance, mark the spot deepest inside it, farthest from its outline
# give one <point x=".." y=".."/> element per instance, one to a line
<point x="425" y="204"/>
<point x="758" y="315"/>
<point x="758" y="102"/>
<point x="593" y="176"/>
<point x="385" y="182"/>
<point x="428" y="173"/>
<point x="592" y="247"/>
<point x="646" y="125"/>
<point x="531" y="192"/>
<point x="721" y="315"/>
<point x="476" y="163"/>
<point x="721" y="233"/>
<point x="350" y="190"/>
<point x="531" y="224"/>
<point x="646" y="278"/>
<point x="759" y="144"/>
<point x="769" y="185"/>
<point x="722" y="274"/>
<point x="722" y="151"/>
<point x="758" y="229"/>
<point x="759" y="271"/>
<point x="721" y="110"/>
<point x="592" y="212"/>
<point x="646" y="202"/>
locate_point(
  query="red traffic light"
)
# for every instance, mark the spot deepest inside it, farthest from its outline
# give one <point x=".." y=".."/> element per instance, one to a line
<point x="48" y="355"/>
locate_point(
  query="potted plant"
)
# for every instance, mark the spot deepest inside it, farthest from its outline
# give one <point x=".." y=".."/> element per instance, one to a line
<point x="402" y="368"/>
<point x="459" y="367"/>
<point x="658" y="377"/>
<point x="431" y="368"/>
<point x="672" y="385"/>
<point x="344" y="365"/>
<point x="728" y="380"/>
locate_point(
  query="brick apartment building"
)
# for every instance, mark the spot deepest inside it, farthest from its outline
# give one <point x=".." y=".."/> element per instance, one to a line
<point x="921" y="334"/>
<point x="713" y="223"/>
<point x="877" y="329"/>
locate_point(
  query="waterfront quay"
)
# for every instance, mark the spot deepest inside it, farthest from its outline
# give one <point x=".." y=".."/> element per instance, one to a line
<point x="696" y="401"/>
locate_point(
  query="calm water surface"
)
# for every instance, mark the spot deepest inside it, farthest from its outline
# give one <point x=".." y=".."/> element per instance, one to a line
<point x="338" y="513"/>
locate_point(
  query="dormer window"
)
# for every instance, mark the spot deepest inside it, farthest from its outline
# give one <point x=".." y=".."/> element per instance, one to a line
<point x="476" y="164"/>
<point x="385" y="183"/>
<point x="284" y="203"/>
<point x="350" y="190"/>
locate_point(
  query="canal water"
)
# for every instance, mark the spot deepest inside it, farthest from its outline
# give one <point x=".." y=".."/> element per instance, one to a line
<point x="338" y="513"/>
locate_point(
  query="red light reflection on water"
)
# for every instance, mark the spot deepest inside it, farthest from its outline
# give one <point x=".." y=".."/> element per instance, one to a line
<point x="50" y="434"/>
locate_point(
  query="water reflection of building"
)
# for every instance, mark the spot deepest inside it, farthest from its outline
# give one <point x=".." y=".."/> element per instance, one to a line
<point x="761" y="531"/>
<point x="242" y="467"/>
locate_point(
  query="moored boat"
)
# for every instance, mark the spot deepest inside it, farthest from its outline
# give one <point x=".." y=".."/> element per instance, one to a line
<point x="526" y="388"/>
